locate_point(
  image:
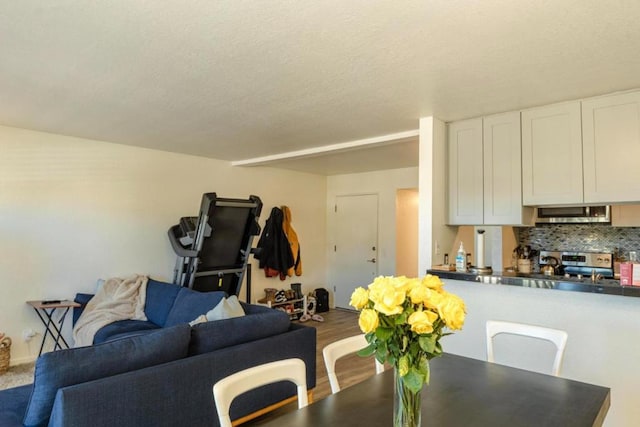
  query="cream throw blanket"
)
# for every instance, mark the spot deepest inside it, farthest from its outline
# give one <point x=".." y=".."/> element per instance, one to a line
<point x="118" y="299"/>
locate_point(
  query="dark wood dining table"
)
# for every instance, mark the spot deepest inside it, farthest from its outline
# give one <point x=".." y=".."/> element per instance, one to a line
<point x="463" y="392"/>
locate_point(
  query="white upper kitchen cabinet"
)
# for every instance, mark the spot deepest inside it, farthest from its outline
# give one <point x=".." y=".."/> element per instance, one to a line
<point x="465" y="172"/>
<point x="484" y="172"/>
<point x="503" y="171"/>
<point x="552" y="155"/>
<point x="611" y="148"/>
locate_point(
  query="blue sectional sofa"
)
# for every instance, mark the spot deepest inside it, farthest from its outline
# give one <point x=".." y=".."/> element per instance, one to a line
<point x="160" y="372"/>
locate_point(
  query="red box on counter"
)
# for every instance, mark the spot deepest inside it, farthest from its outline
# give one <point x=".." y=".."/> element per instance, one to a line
<point x="629" y="274"/>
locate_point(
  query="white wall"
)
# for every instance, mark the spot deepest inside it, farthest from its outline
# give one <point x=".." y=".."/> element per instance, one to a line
<point x="435" y="237"/>
<point x="74" y="210"/>
<point x="384" y="184"/>
<point x="602" y="348"/>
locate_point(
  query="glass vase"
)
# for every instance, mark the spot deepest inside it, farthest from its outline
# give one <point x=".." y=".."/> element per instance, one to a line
<point x="406" y="404"/>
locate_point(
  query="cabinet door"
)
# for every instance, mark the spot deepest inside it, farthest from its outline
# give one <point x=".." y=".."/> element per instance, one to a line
<point x="465" y="172"/>
<point x="611" y="144"/>
<point x="625" y="216"/>
<point x="552" y="155"/>
<point x="503" y="171"/>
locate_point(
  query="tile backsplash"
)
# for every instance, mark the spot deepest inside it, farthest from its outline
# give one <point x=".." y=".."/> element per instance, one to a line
<point x="580" y="237"/>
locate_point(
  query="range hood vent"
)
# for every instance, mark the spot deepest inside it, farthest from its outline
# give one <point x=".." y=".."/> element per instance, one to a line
<point x="573" y="215"/>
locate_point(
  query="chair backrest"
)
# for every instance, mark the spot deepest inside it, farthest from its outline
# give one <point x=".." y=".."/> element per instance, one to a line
<point x="334" y="351"/>
<point x="227" y="389"/>
<point x="556" y="336"/>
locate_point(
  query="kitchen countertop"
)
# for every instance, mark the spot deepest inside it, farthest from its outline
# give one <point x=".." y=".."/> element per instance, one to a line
<point x="602" y="286"/>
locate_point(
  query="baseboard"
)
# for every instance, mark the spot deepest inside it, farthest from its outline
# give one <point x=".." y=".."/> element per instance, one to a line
<point x="22" y="360"/>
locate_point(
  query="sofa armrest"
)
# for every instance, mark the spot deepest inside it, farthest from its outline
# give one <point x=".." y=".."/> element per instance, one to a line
<point x="13" y="405"/>
<point x="81" y="299"/>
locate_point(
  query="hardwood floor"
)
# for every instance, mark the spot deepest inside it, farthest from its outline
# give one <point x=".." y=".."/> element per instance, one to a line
<point x="351" y="369"/>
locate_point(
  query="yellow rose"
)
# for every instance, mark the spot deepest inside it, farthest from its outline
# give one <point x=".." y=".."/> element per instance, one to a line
<point x="375" y="288"/>
<point x="432" y="282"/>
<point x="402" y="283"/>
<point x="422" y="321"/>
<point x="419" y="294"/>
<point x="387" y="298"/>
<point x="359" y="298"/>
<point x="390" y="302"/>
<point x="452" y="311"/>
<point x="368" y="320"/>
<point x="433" y="301"/>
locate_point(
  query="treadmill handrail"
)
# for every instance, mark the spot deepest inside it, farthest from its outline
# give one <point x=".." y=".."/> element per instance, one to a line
<point x="222" y="202"/>
<point x="219" y="272"/>
<point x="180" y="250"/>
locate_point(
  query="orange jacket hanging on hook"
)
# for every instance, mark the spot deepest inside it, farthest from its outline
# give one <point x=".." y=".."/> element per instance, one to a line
<point x="292" y="236"/>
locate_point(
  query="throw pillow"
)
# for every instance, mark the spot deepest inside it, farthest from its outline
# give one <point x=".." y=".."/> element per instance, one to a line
<point x="160" y="299"/>
<point x="200" y="319"/>
<point x="63" y="368"/>
<point x="227" y="308"/>
<point x="189" y="304"/>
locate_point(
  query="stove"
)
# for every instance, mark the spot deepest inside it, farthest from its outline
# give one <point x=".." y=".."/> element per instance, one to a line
<point x="580" y="263"/>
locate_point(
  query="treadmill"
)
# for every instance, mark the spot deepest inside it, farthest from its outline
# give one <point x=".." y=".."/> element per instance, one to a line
<point x="213" y="248"/>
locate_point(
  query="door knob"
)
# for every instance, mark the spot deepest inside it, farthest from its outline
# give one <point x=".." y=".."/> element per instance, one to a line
<point x="373" y="260"/>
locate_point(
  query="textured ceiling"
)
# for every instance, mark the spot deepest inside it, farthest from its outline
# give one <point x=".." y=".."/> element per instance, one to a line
<point x="238" y="79"/>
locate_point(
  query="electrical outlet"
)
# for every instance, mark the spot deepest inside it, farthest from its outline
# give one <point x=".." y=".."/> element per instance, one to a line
<point x="27" y="334"/>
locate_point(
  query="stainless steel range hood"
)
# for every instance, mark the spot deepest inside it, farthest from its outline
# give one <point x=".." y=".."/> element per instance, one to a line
<point x="573" y="215"/>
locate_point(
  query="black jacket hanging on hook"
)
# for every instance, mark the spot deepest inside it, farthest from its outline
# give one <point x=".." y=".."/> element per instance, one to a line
<point x="273" y="250"/>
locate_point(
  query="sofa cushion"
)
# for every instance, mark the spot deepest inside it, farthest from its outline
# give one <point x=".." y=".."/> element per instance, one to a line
<point x="159" y="300"/>
<point x="259" y="322"/>
<point x="77" y="365"/>
<point x="191" y="304"/>
<point x="123" y="328"/>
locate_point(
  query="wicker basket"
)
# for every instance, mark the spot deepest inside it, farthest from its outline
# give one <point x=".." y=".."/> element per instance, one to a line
<point x="5" y="354"/>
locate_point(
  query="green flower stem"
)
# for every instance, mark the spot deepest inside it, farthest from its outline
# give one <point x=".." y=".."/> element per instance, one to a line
<point x="406" y="404"/>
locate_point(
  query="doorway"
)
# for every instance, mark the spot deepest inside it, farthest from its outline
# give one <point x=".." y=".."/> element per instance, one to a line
<point x="355" y="246"/>
<point x="407" y="232"/>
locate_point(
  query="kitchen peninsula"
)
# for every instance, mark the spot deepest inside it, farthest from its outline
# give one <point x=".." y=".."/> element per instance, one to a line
<point x="601" y="349"/>
<point x="540" y="281"/>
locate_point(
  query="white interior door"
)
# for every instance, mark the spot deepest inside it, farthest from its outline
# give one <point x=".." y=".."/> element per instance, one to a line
<point x="355" y="245"/>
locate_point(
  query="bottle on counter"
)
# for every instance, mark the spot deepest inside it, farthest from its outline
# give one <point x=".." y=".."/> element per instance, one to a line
<point x="461" y="259"/>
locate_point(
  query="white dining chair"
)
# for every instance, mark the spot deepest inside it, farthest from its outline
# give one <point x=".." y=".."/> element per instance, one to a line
<point x="227" y="389"/>
<point x="556" y="336"/>
<point x="334" y="351"/>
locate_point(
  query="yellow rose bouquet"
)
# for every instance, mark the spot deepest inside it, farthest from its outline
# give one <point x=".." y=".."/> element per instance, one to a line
<point x="404" y="319"/>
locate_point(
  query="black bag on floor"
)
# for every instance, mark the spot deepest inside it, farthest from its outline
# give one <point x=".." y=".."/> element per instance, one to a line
<point x="322" y="300"/>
